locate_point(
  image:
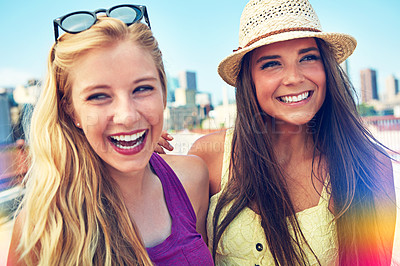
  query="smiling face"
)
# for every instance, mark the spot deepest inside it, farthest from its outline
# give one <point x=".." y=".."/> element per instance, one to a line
<point x="290" y="80"/>
<point x="118" y="101"/>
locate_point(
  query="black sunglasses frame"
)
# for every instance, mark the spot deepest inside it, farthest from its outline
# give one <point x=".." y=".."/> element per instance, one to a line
<point x="58" y="21"/>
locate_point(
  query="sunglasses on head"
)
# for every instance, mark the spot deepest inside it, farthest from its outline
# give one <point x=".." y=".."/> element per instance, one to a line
<point x="79" y="21"/>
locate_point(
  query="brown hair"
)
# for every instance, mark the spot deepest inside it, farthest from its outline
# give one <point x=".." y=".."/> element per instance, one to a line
<point x="257" y="180"/>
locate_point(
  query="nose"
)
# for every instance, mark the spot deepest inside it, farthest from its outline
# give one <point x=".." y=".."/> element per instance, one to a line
<point x="125" y="113"/>
<point x="292" y="75"/>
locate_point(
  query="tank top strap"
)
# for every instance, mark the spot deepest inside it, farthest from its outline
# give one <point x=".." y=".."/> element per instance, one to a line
<point x="174" y="192"/>
<point x="227" y="157"/>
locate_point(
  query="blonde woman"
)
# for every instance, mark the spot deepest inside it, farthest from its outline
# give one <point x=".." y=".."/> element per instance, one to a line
<point x="96" y="194"/>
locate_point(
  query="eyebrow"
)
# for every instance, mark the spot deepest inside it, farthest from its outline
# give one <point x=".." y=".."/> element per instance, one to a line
<point x="150" y="78"/>
<point x="269" y="57"/>
<point x="309" y="49"/>
<point x="104" y="86"/>
<point x="94" y="87"/>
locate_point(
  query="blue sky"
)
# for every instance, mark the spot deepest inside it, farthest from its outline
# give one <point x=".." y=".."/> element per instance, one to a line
<point x="197" y="35"/>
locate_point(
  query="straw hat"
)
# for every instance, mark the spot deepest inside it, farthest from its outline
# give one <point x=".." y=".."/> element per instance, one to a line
<point x="269" y="21"/>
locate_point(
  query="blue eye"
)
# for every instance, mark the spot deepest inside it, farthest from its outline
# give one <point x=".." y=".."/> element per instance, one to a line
<point x="143" y="89"/>
<point x="270" y="64"/>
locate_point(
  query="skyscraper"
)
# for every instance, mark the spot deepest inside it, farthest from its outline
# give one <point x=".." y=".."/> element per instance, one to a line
<point x="369" y="87"/>
<point x="187" y="80"/>
<point x="392" y="86"/>
<point x="186" y="93"/>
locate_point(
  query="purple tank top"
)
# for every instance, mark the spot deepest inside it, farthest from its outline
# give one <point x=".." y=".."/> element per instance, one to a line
<point x="184" y="246"/>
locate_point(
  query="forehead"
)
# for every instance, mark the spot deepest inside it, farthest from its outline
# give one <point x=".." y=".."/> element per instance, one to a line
<point x="120" y="61"/>
<point x="113" y="52"/>
<point x="286" y="46"/>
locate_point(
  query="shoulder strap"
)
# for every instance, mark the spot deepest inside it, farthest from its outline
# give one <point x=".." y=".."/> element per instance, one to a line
<point x="174" y="192"/>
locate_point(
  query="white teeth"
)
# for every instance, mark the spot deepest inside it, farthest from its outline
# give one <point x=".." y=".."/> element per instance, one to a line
<point x="128" y="147"/>
<point x="294" y="99"/>
<point x="132" y="137"/>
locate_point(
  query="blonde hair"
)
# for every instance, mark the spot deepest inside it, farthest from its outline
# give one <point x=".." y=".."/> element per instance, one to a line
<point x="74" y="213"/>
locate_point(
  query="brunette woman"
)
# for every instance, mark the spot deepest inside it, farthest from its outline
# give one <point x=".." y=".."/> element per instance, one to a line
<point x="298" y="180"/>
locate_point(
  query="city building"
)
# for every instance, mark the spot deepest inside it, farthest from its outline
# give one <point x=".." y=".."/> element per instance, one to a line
<point x="389" y="104"/>
<point x="392" y="86"/>
<point x="181" y="117"/>
<point x="223" y="115"/>
<point x="369" y="87"/>
<point x="6" y="136"/>
<point x="185" y="97"/>
<point x="187" y="80"/>
<point x="185" y="92"/>
<point x="172" y="85"/>
<point x="203" y="101"/>
<point x="184" y="112"/>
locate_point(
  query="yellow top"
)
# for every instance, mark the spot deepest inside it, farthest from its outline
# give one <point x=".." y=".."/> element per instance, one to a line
<point x="244" y="243"/>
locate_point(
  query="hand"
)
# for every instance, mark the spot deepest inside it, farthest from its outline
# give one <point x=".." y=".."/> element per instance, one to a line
<point x="163" y="143"/>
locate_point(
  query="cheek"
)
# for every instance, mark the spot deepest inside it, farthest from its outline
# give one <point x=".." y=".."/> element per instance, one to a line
<point x="263" y="91"/>
<point x="155" y="118"/>
<point x="93" y="122"/>
<point x="265" y="84"/>
<point x="319" y="76"/>
<point x="153" y="111"/>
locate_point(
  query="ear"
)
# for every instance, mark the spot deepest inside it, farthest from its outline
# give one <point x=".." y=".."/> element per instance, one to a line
<point x="77" y="122"/>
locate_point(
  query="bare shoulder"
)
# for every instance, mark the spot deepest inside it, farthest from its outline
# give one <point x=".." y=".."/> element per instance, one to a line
<point x="192" y="172"/>
<point x="208" y="145"/>
<point x="188" y="168"/>
<point x="211" y="149"/>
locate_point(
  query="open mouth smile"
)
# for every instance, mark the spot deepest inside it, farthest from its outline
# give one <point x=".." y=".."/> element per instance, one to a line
<point x="128" y="142"/>
<point x="295" y="98"/>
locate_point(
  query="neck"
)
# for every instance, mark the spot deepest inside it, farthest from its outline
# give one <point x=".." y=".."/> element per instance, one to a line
<point x="292" y="143"/>
<point x="133" y="185"/>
